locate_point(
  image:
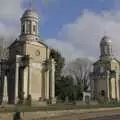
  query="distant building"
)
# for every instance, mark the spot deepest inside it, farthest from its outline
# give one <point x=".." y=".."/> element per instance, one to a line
<point x="28" y="69"/>
<point x="105" y="79"/>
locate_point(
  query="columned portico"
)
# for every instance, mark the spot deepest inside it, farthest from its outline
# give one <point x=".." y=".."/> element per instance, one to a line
<point x="106" y="73"/>
<point x="30" y="73"/>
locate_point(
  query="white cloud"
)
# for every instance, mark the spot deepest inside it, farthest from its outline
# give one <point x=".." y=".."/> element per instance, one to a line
<point x="66" y="48"/>
<point x="10" y="11"/>
<point x="81" y="38"/>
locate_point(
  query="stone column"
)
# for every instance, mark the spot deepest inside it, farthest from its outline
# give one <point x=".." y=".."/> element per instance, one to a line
<point x="2" y="85"/>
<point x="41" y="84"/>
<point x="52" y="83"/>
<point x="47" y="84"/>
<point x="25" y="82"/>
<point x="29" y="77"/>
<point x="28" y="85"/>
<point x="16" y="78"/>
<point x="117" y="86"/>
<point x="108" y="86"/>
<point x="47" y="89"/>
<point x="5" y="92"/>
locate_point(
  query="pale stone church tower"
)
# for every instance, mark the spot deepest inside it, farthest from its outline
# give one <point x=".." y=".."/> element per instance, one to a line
<point x="30" y="71"/>
<point x="29" y="25"/>
<point x="105" y="81"/>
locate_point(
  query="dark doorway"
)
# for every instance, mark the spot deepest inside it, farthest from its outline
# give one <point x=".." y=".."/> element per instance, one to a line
<point x="102" y="93"/>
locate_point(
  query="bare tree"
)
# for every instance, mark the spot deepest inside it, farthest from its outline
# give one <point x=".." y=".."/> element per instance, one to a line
<point x="4" y="44"/>
<point x="79" y="69"/>
<point x="1" y="46"/>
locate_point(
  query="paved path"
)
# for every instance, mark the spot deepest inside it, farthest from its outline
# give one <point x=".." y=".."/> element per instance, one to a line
<point x="108" y="115"/>
<point x="78" y="117"/>
<point x="113" y="117"/>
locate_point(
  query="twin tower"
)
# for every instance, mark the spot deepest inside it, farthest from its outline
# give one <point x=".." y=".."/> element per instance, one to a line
<point x="29" y="26"/>
<point x="28" y="72"/>
<point x="105" y="80"/>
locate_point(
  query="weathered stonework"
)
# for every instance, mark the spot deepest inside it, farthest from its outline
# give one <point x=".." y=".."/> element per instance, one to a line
<point x="28" y="74"/>
<point x="105" y="81"/>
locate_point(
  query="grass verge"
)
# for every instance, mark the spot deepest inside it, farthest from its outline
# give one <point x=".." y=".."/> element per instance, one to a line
<point x="24" y="108"/>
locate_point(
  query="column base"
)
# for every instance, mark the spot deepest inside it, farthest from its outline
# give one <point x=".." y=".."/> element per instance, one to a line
<point x="39" y="103"/>
<point x="16" y="101"/>
<point x="53" y="101"/>
<point x="5" y="100"/>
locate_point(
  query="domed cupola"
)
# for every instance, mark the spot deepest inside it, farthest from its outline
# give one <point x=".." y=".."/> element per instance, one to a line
<point x="30" y="13"/>
<point x="29" y="25"/>
<point x="105" y="48"/>
<point x="105" y="41"/>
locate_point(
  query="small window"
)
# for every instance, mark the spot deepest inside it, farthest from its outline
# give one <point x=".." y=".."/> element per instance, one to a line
<point x="28" y="26"/>
<point x="34" y="28"/>
<point x="105" y="50"/>
<point x="23" y="28"/>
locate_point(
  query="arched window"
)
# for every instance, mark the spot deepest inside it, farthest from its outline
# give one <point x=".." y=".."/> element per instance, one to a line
<point x="105" y="50"/>
<point x="23" y="28"/>
<point x="28" y="27"/>
<point x="34" y="28"/>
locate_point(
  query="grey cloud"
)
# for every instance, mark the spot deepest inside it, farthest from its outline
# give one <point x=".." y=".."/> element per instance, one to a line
<point x="10" y="11"/>
<point x="81" y="38"/>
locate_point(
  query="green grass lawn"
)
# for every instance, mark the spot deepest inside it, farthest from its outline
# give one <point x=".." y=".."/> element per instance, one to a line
<point x="56" y="107"/>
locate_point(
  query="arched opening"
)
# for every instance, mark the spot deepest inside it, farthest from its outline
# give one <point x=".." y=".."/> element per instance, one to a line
<point x="34" y="28"/>
<point x="23" y="28"/>
<point x="28" y="27"/>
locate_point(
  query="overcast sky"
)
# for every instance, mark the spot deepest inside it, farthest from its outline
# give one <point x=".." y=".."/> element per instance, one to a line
<point x="74" y="27"/>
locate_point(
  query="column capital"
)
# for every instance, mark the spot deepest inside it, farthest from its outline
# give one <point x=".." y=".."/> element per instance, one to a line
<point x="18" y="58"/>
<point x="53" y="64"/>
<point x="53" y="61"/>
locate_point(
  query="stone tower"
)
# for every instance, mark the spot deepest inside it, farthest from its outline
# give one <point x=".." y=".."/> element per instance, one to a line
<point x="105" y="81"/>
<point x="30" y="71"/>
<point x="29" y="25"/>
